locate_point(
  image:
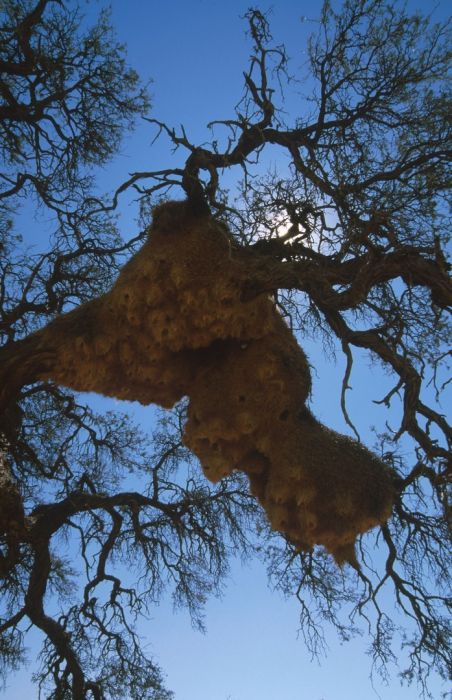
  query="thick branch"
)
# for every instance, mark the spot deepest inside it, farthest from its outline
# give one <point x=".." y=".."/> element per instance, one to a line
<point x="34" y="606"/>
<point x="22" y="363"/>
<point x="360" y="274"/>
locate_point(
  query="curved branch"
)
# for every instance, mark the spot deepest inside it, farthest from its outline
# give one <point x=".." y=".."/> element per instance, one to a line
<point x="34" y="607"/>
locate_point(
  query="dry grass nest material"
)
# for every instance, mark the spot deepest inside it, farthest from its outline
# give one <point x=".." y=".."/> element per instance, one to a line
<point x="175" y="324"/>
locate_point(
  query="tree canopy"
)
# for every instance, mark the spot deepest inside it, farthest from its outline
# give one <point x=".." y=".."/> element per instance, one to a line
<point x="349" y="243"/>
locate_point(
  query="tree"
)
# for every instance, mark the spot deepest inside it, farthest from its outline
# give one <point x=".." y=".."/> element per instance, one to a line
<point x="350" y="243"/>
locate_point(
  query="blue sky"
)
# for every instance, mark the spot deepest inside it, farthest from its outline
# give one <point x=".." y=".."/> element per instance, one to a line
<point x="195" y="52"/>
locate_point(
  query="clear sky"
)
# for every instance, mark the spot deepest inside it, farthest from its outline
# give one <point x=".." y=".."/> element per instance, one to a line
<point x="195" y="51"/>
